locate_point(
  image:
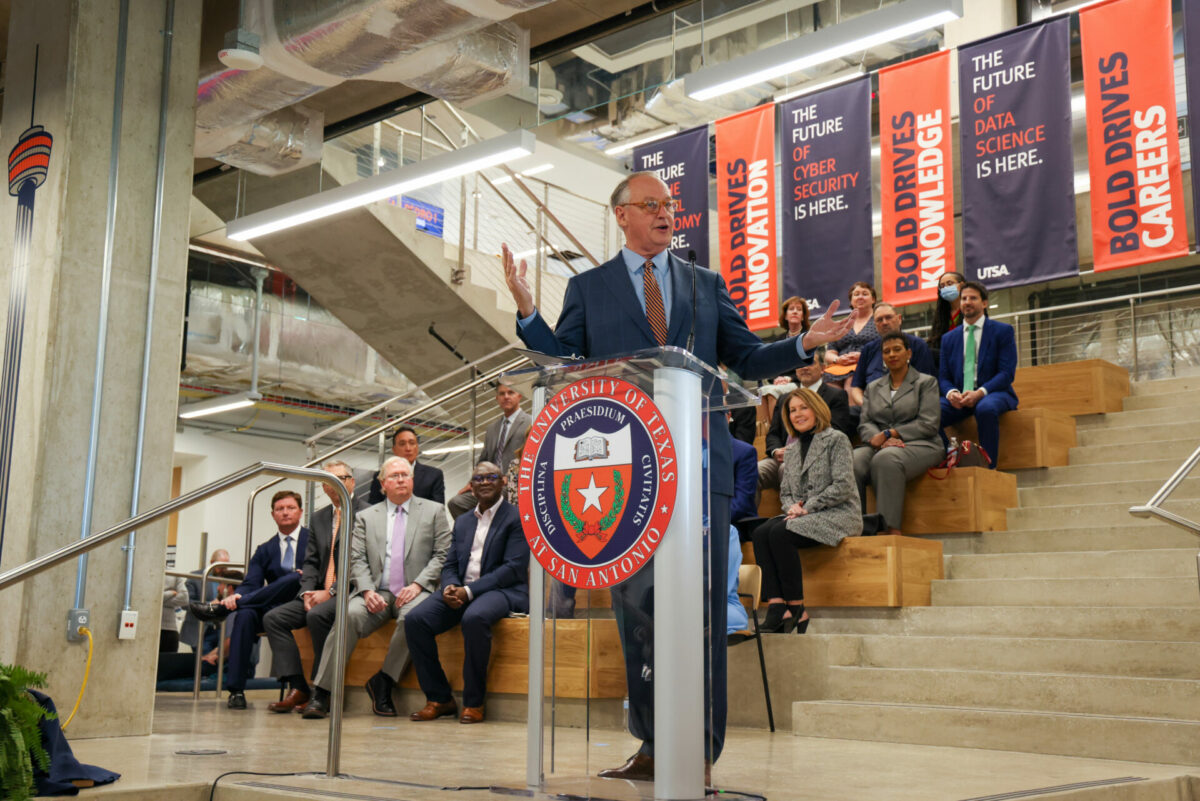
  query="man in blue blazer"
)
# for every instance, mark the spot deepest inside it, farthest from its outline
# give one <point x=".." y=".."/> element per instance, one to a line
<point x="272" y="578"/>
<point x="985" y="391"/>
<point x="605" y="314"/>
<point x="484" y="578"/>
<point x="428" y="482"/>
<point x="870" y="361"/>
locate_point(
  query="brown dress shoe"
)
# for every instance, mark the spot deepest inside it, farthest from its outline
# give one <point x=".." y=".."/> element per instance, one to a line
<point x="472" y="714"/>
<point x="291" y="702"/>
<point x="434" y="710"/>
<point x="638" y="768"/>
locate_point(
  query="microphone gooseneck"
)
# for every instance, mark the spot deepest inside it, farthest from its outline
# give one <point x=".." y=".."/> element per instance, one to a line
<point x="691" y="341"/>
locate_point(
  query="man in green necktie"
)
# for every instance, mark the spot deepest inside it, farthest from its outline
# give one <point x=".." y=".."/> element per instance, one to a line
<point x="978" y="364"/>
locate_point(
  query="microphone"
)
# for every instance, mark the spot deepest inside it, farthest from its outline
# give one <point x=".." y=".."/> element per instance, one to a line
<point x="691" y="340"/>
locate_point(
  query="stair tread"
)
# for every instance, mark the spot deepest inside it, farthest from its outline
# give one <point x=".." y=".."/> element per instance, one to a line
<point x="999" y="710"/>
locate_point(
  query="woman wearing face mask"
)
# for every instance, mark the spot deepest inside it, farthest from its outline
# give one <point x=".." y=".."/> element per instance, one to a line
<point x="946" y="314"/>
<point x="899" y="430"/>
<point x="820" y="508"/>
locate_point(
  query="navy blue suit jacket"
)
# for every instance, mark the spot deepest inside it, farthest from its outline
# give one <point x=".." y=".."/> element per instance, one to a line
<point x="267" y="563"/>
<point x="601" y="318"/>
<point x="745" y="481"/>
<point x="428" y="483"/>
<point x="504" y="564"/>
<point x="995" y="363"/>
<point x="870" y="361"/>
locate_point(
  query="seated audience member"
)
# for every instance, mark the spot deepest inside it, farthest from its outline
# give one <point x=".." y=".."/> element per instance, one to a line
<point x="272" y="578"/>
<point x="175" y="596"/>
<point x="899" y="431"/>
<point x="745" y="481"/>
<point x="500" y="443"/>
<point x="947" y="313"/>
<point x="743" y="424"/>
<point x="820" y="508"/>
<point x="809" y="377"/>
<point x="842" y="356"/>
<point x="428" y="482"/>
<point x="315" y="606"/>
<point x="483" y="580"/>
<point x="194" y="630"/>
<point x="396" y="556"/>
<point x="736" y="618"/>
<point x="978" y="364"/>
<point x="870" y="365"/>
<point x="794" y="320"/>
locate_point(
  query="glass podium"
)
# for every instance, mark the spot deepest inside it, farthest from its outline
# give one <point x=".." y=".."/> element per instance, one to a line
<point x="615" y="465"/>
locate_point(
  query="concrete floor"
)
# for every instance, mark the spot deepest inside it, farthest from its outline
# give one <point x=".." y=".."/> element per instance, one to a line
<point x="427" y="758"/>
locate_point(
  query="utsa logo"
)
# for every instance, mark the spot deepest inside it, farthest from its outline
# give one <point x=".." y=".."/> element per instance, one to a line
<point x="813" y="303"/>
<point x="992" y="271"/>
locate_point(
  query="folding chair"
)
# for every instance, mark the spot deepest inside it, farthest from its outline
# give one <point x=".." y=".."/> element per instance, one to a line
<point x="749" y="591"/>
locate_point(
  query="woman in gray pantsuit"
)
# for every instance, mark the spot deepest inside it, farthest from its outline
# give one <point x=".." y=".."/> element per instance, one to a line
<point x="817" y="491"/>
<point x="899" y="430"/>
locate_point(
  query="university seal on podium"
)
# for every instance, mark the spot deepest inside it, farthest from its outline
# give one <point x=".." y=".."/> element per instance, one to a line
<point x="597" y="482"/>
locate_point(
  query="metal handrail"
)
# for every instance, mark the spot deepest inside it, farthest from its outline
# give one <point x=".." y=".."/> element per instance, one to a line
<point x="484" y="378"/>
<point x="1153" y="507"/>
<point x="1098" y="301"/>
<point x="47" y="561"/>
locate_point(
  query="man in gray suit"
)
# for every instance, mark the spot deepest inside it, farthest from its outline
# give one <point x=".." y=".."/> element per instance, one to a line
<point x="503" y="439"/>
<point x="396" y="555"/>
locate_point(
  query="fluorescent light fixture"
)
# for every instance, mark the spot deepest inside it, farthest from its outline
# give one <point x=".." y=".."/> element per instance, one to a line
<point x="453" y="449"/>
<point x="488" y="153"/>
<point x="527" y="253"/>
<point x="857" y="72"/>
<point x="852" y="36"/>
<point x="539" y="168"/>
<point x="630" y="144"/>
<point x="218" y="404"/>
<point x="1083" y="182"/>
<point x="503" y="179"/>
<point x="1078" y="103"/>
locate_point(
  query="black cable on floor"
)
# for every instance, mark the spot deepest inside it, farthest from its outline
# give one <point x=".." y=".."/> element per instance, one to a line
<point x="213" y="790"/>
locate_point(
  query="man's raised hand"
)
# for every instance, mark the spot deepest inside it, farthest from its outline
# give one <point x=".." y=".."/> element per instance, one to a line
<point x="826" y="329"/>
<point x="518" y="284"/>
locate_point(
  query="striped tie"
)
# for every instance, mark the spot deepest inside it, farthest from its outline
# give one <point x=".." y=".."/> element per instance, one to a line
<point x="655" y="315"/>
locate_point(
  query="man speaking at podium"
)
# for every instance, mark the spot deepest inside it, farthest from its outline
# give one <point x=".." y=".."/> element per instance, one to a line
<point x="621" y="307"/>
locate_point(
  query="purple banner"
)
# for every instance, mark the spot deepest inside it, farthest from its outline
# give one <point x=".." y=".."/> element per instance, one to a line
<point x="1018" y="187"/>
<point x="1191" y="60"/>
<point x="825" y="146"/>
<point x="682" y="163"/>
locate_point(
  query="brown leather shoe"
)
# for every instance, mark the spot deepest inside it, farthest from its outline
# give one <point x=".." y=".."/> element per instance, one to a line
<point x="433" y="710"/>
<point x="638" y="768"/>
<point x="472" y="714"/>
<point x="291" y="702"/>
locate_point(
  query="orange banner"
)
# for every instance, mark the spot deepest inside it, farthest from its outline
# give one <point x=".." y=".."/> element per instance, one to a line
<point x="1133" y="143"/>
<point x="746" y="214"/>
<point x="916" y="183"/>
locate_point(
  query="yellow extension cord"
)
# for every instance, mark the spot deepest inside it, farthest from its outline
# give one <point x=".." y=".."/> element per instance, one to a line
<point x="84" y="630"/>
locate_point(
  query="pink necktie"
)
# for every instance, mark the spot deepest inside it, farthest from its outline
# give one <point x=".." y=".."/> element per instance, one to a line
<point x="396" y="568"/>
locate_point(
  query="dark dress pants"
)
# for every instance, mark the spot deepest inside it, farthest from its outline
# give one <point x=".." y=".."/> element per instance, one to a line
<point x="633" y="604"/>
<point x="431" y="617"/>
<point x="987" y="420"/>
<point x="775" y="552"/>
<point x="248" y="624"/>
<point x="279" y="623"/>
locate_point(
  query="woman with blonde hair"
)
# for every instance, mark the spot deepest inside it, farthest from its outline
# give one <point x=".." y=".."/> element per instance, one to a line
<point x="820" y="505"/>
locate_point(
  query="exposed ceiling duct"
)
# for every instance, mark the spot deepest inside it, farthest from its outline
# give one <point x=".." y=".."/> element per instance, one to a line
<point x="458" y="50"/>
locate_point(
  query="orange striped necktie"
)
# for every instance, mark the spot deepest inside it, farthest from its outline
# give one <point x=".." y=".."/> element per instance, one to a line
<point x="655" y="314"/>
<point x="329" y="570"/>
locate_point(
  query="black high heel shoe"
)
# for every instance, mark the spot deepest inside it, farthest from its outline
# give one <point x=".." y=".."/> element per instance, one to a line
<point x="774" y="620"/>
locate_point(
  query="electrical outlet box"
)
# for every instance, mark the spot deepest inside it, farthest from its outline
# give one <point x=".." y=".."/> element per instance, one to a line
<point x="128" y="625"/>
<point x="76" y="619"/>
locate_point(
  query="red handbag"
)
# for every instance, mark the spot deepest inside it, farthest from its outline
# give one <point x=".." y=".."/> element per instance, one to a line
<point x="962" y="454"/>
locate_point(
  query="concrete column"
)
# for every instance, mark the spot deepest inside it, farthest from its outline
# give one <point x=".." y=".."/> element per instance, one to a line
<point x="76" y="42"/>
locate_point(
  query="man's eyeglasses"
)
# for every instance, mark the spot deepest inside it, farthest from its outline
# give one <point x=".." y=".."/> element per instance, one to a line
<point x="343" y="478"/>
<point x="486" y="478"/>
<point x="652" y="206"/>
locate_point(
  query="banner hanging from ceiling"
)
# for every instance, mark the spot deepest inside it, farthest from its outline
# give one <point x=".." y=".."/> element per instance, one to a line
<point x="1133" y="143"/>
<point x="746" y="213"/>
<point x="1018" y="192"/>
<point x="1191" y="52"/>
<point x="825" y="147"/>
<point x="916" y="178"/>
<point x="682" y="163"/>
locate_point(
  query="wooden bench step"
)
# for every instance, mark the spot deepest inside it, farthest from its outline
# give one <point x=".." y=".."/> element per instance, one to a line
<point x="1089" y="386"/>
<point x="969" y="500"/>
<point x="886" y="570"/>
<point x="1029" y="437"/>
<point x="575" y="650"/>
